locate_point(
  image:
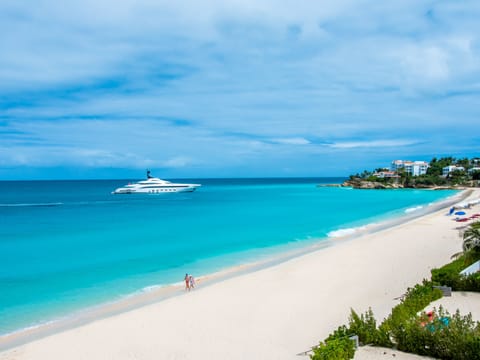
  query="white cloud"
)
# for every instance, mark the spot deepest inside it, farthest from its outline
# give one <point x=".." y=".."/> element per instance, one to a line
<point x="371" y="144"/>
<point x="291" y="141"/>
<point x="429" y="63"/>
<point x="177" y="162"/>
<point x="286" y="74"/>
<point x="435" y="63"/>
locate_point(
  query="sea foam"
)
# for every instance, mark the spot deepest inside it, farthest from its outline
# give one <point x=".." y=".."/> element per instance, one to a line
<point x="416" y="208"/>
<point x="32" y="204"/>
<point x="345" y="232"/>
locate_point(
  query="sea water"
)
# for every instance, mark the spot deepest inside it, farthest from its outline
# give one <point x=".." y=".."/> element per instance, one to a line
<point x="69" y="245"/>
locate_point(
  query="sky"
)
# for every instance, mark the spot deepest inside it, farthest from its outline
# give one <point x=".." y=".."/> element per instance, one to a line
<point x="234" y="88"/>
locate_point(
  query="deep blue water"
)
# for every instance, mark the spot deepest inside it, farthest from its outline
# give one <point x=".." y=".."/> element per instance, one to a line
<point x="66" y="245"/>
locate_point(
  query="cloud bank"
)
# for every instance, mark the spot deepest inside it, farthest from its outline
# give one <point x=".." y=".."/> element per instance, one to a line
<point x="235" y="88"/>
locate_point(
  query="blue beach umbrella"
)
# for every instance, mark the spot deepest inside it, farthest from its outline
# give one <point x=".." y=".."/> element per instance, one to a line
<point x="460" y="213"/>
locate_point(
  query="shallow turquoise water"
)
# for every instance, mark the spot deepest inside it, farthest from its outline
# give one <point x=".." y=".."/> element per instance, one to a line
<point x="66" y="245"/>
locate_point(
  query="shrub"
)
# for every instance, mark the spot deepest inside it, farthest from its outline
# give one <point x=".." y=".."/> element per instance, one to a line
<point x="449" y="274"/>
<point x="341" y="332"/>
<point x="446" y="337"/>
<point x="469" y="283"/>
<point x="338" y="346"/>
<point x="416" y="299"/>
<point x="335" y="349"/>
<point x="365" y="327"/>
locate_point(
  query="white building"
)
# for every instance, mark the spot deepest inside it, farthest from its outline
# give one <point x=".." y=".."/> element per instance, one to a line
<point x="472" y="170"/>
<point x="413" y="168"/>
<point x="451" y="168"/>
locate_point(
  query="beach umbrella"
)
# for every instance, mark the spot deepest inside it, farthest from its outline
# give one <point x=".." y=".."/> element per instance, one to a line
<point x="460" y="213"/>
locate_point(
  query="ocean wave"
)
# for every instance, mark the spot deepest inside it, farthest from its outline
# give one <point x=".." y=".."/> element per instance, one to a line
<point x="409" y="210"/>
<point x="345" y="232"/>
<point x="150" y="288"/>
<point x="32" y="204"/>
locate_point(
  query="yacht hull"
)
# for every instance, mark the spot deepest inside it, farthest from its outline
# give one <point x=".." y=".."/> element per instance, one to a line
<point x="153" y="190"/>
<point x="155" y="186"/>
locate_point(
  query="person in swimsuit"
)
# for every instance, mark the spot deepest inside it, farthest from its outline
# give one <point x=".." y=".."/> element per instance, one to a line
<point x="187" y="282"/>
<point x="191" y="280"/>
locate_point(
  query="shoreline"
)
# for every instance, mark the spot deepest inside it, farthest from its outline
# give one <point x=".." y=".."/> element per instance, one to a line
<point x="161" y="293"/>
<point x="171" y="294"/>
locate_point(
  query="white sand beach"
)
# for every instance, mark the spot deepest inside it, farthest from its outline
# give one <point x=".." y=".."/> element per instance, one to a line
<point x="273" y="313"/>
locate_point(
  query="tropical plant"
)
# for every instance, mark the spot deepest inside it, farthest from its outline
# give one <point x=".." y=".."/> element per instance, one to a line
<point x="445" y="337"/>
<point x="437" y="165"/>
<point x="471" y="237"/>
<point x="449" y="274"/>
<point x="475" y="175"/>
<point x="338" y="346"/>
<point x="365" y="327"/>
<point x="365" y="174"/>
<point x="415" y="299"/>
<point x="433" y="177"/>
<point x="457" y="177"/>
<point x="465" y="163"/>
<point x="335" y="349"/>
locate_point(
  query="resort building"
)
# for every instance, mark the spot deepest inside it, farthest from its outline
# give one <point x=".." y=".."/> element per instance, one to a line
<point x="451" y="168"/>
<point x="473" y="169"/>
<point x="414" y="168"/>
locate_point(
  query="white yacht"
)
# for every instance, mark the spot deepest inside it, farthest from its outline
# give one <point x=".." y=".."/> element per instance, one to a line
<point x="153" y="185"/>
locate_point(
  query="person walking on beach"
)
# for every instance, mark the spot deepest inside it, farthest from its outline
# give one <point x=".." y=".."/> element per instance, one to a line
<point x="191" y="280"/>
<point x="187" y="282"/>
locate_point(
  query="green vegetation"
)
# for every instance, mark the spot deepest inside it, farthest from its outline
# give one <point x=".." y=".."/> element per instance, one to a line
<point x="449" y="275"/>
<point x="471" y="238"/>
<point x="337" y="346"/>
<point x="433" y="177"/>
<point x="364" y="326"/>
<point x="444" y="336"/>
<point x="364" y="175"/>
<point x="430" y="180"/>
<point x="436" y="166"/>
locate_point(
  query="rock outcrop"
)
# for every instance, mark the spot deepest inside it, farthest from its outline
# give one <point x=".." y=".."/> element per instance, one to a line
<point x="362" y="184"/>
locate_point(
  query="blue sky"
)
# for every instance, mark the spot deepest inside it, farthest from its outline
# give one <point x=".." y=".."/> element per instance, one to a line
<point x="106" y="89"/>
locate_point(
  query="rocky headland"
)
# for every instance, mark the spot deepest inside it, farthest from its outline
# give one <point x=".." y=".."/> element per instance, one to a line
<point x="375" y="185"/>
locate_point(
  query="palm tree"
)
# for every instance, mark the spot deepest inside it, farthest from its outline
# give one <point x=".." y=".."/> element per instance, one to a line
<point x="471" y="237"/>
<point x="471" y="240"/>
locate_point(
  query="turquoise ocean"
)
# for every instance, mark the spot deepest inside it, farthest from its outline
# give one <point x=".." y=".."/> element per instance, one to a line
<point x="69" y="245"/>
